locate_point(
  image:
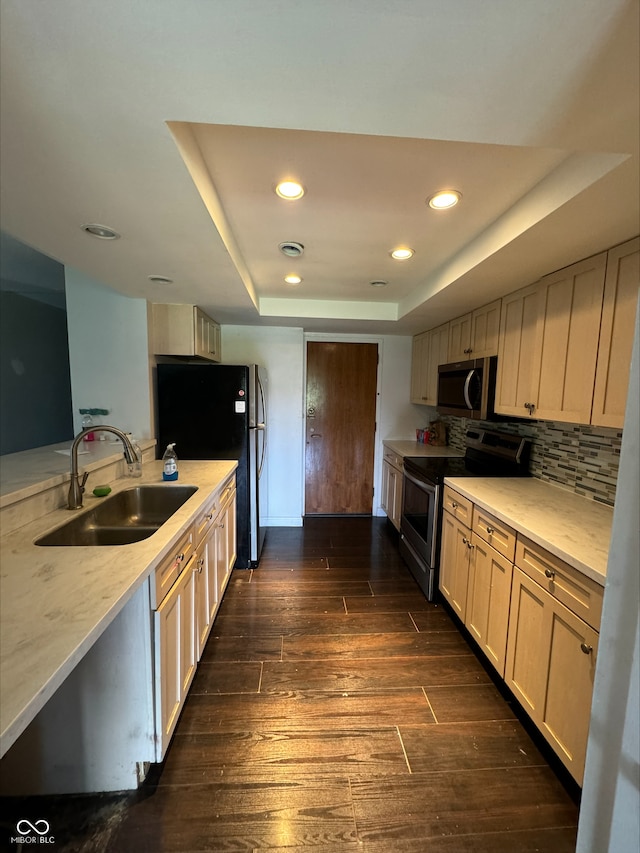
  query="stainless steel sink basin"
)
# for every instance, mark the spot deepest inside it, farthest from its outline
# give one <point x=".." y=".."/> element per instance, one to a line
<point x="123" y="518"/>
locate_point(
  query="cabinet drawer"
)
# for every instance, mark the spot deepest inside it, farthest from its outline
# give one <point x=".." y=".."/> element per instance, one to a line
<point x="496" y="533"/>
<point x="205" y="520"/>
<point x="393" y="458"/>
<point x="460" y="507"/>
<point x="169" y="570"/>
<point x="576" y="591"/>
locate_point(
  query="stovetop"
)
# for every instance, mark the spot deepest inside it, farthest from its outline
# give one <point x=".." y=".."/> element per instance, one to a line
<point x="487" y="454"/>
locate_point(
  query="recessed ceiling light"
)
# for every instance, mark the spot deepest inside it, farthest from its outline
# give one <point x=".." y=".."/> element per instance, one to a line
<point x="290" y="190"/>
<point x="103" y="232"/>
<point x="160" y="279"/>
<point x="379" y="283"/>
<point x="292" y="279"/>
<point x="444" y="199"/>
<point x="291" y="249"/>
<point x="402" y="253"/>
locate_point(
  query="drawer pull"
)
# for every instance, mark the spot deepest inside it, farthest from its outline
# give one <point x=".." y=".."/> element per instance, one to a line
<point x="209" y="516"/>
<point x="465" y="541"/>
<point x="179" y="558"/>
<point x="549" y="573"/>
<point x="490" y="530"/>
<point x="454" y="505"/>
<point x="586" y="649"/>
<point x="199" y="565"/>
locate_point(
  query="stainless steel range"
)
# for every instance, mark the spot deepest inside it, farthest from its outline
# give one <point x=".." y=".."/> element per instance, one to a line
<point x="487" y="454"/>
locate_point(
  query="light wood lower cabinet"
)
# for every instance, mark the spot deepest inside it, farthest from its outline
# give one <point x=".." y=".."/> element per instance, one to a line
<point x="488" y="597"/>
<point x="535" y="618"/>
<point x="175" y="651"/>
<point x="392" y="480"/>
<point x="184" y="614"/>
<point x="454" y="563"/>
<point x="551" y="657"/>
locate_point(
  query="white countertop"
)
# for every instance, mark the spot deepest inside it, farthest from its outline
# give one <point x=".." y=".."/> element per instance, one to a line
<point x="575" y="529"/>
<point x="55" y="601"/>
<point x="406" y="447"/>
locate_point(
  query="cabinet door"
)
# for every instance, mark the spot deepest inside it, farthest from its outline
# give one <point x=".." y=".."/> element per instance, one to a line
<point x="175" y="658"/>
<point x="454" y="563"/>
<point x="551" y="656"/>
<point x="386" y="499"/>
<point x="459" y="347"/>
<point x="396" y="491"/>
<point x="202" y="595"/>
<point x="616" y="334"/>
<point x="569" y="311"/>
<point x="516" y="345"/>
<point x="430" y="349"/>
<point x="488" y="597"/>
<point x="419" y="364"/>
<point x="201" y="324"/>
<point x="485" y="329"/>
<point x="438" y="349"/>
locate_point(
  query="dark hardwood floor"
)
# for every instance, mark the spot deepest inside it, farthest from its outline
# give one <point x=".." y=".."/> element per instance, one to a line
<point x="335" y="711"/>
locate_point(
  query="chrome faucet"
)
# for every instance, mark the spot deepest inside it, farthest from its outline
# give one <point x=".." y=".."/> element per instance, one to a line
<point x="77" y="481"/>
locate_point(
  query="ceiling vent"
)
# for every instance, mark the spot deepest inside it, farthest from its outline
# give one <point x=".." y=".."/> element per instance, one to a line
<point x="291" y="250"/>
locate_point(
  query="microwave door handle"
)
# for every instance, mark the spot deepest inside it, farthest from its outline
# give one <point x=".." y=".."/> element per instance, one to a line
<point x="467" y="384"/>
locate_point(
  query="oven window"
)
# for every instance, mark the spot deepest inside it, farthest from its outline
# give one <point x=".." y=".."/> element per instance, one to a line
<point x="418" y="517"/>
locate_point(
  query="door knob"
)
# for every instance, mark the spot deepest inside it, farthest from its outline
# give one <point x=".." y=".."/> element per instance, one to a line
<point x="315" y="435"/>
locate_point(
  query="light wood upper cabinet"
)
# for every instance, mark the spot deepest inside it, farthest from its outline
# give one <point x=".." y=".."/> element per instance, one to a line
<point x="518" y="329"/>
<point x="184" y="330"/>
<point x="459" y="338"/>
<point x="430" y="349"/>
<point x="616" y="334"/>
<point x="475" y="335"/>
<point x="569" y="311"/>
<point x="548" y="345"/>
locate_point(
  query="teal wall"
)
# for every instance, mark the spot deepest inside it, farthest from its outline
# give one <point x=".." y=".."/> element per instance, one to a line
<point x="35" y="385"/>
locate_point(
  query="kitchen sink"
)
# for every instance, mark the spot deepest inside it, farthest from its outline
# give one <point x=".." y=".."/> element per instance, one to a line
<point x="128" y="516"/>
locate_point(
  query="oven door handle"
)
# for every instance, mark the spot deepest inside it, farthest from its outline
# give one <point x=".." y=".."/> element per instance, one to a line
<point x="426" y="487"/>
<point x="467" y="385"/>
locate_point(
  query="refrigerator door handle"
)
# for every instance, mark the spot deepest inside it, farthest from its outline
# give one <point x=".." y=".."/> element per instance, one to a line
<point x="262" y="426"/>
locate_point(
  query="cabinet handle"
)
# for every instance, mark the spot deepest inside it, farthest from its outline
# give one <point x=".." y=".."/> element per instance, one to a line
<point x="549" y="573"/>
<point x="221" y="526"/>
<point x="179" y="558"/>
<point x="468" y="350"/>
<point x="490" y="530"/>
<point x="209" y="516"/>
<point x="454" y="505"/>
<point x="465" y="540"/>
<point x="199" y="565"/>
<point x="530" y="407"/>
<point x="470" y="546"/>
<point x="585" y="648"/>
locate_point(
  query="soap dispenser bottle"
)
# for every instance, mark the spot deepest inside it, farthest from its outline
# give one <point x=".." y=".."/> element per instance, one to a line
<point x="170" y="464"/>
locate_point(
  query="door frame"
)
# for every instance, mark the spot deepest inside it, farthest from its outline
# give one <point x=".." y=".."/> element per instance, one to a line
<point x="336" y="338"/>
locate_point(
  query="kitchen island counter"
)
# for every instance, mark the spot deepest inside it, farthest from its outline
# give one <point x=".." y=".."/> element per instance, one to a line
<point x="574" y="529"/>
<point x="57" y="601"/>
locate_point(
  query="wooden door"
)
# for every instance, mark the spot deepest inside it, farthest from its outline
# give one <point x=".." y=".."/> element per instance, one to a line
<point x="340" y="427"/>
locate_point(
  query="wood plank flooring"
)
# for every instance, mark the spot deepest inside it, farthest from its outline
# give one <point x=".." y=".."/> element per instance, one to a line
<point x="335" y="710"/>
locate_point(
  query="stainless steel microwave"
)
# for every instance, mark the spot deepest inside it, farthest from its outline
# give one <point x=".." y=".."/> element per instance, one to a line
<point x="467" y="388"/>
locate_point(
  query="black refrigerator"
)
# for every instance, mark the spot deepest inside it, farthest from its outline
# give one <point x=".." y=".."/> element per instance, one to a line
<point x="218" y="411"/>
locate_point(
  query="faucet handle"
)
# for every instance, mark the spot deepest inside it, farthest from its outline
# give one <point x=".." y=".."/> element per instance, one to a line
<point x="81" y="482"/>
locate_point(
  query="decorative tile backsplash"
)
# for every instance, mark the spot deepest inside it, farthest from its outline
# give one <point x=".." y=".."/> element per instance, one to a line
<point x="581" y="458"/>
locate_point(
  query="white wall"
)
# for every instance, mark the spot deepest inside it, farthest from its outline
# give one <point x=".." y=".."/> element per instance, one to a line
<point x="610" y="809"/>
<point x="279" y="350"/>
<point x="108" y="354"/>
<point x="282" y="352"/>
